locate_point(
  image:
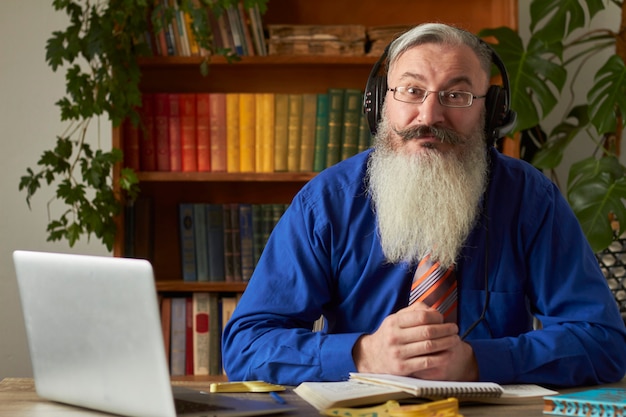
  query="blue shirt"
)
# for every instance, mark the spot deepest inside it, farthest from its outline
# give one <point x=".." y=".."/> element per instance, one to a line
<point x="324" y="257"/>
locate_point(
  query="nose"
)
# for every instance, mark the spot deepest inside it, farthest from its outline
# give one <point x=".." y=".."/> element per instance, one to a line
<point x="430" y="112"/>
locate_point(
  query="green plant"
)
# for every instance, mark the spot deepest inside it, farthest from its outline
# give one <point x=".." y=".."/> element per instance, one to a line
<point x="99" y="51"/>
<point x="561" y="44"/>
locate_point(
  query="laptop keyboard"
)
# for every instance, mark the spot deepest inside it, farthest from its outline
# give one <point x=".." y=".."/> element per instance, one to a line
<point x="184" y="406"/>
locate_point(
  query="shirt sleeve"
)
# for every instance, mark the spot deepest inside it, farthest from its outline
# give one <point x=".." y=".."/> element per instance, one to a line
<point x="269" y="336"/>
<point x="546" y="265"/>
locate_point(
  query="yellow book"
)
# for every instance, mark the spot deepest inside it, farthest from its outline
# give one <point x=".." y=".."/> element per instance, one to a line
<point x="247" y="132"/>
<point x="294" y="132"/>
<point x="233" y="161"/>
<point x="307" y="136"/>
<point x="281" y="118"/>
<point x="265" y="132"/>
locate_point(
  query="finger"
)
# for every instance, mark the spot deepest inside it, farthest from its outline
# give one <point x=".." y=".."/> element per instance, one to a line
<point x="417" y="315"/>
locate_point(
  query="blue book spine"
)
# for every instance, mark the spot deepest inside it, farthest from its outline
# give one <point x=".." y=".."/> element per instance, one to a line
<point x="187" y="242"/>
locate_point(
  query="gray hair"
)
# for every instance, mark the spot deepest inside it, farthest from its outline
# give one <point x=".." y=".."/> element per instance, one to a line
<point x="441" y="34"/>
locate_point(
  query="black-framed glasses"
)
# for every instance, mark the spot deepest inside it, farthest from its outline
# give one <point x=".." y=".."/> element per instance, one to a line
<point x="417" y="95"/>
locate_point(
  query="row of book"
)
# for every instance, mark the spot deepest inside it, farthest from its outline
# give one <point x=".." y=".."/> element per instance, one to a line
<point x="238" y="28"/>
<point x="223" y="242"/>
<point x="192" y="328"/>
<point x="246" y="132"/>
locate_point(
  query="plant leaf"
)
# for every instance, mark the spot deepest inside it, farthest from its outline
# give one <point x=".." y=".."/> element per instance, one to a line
<point x="560" y="17"/>
<point x="596" y="188"/>
<point x="551" y="153"/>
<point x="608" y="92"/>
<point x="535" y="81"/>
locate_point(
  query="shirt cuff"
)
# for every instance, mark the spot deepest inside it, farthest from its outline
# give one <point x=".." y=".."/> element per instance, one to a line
<point x="336" y="356"/>
<point x="495" y="363"/>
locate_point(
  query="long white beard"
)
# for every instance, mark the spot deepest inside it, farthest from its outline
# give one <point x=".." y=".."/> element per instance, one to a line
<point x="426" y="203"/>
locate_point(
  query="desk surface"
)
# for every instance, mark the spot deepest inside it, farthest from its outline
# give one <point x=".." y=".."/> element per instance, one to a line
<point x="18" y="399"/>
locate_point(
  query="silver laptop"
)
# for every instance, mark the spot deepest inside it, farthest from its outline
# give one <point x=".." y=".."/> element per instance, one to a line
<point x="95" y="340"/>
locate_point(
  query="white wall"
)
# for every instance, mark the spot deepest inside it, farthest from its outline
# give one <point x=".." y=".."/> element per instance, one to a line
<point x="29" y="123"/>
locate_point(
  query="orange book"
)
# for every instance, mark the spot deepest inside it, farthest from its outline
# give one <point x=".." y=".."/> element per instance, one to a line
<point x="188" y="132"/>
<point x="203" y="132"/>
<point x="233" y="161"/>
<point x="217" y="113"/>
<point x="247" y="132"/>
<point x="265" y="132"/>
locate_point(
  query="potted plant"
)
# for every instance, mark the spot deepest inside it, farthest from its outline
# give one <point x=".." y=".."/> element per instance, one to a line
<point x="98" y="51"/>
<point x="541" y="70"/>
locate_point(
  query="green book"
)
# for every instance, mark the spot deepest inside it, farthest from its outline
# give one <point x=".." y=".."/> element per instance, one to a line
<point x="365" y="136"/>
<point x="321" y="133"/>
<point x="352" y="106"/>
<point x="307" y="133"/>
<point x="294" y="132"/>
<point x="335" y="125"/>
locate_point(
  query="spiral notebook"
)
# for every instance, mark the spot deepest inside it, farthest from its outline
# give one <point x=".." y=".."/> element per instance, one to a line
<point x="431" y="389"/>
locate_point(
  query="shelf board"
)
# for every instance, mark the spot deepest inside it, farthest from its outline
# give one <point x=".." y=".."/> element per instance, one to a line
<point x="159" y="61"/>
<point x="182" y="286"/>
<point x="283" y="177"/>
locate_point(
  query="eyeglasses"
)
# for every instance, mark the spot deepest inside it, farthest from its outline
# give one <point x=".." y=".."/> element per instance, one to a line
<point x="446" y="98"/>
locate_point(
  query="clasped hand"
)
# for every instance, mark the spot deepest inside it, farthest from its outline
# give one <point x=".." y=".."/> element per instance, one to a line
<point x="416" y="342"/>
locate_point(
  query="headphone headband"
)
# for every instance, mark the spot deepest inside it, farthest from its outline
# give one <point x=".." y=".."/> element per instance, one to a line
<point x="499" y="118"/>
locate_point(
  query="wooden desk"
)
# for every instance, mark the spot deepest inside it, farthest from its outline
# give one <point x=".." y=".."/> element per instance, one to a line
<point x="18" y="399"/>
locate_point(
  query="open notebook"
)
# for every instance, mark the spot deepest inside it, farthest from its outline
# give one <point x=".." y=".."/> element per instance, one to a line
<point x="95" y="339"/>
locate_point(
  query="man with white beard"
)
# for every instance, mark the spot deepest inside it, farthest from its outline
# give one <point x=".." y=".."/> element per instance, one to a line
<point x="432" y="189"/>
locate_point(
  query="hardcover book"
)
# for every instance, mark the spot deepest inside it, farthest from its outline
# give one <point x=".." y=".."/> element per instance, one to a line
<point x="597" y="402"/>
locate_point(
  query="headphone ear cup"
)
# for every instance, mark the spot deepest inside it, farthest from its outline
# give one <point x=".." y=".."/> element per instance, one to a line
<point x="495" y="113"/>
<point x="375" y="93"/>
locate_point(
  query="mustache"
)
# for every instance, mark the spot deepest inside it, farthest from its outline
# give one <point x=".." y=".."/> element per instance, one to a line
<point x="444" y="134"/>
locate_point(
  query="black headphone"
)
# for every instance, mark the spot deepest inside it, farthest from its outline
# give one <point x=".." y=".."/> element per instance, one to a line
<point x="499" y="118"/>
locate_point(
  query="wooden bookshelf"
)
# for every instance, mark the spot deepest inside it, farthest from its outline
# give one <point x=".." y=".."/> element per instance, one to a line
<point x="280" y="74"/>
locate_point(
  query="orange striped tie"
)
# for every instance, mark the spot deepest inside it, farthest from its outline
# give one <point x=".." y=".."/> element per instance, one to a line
<point x="435" y="287"/>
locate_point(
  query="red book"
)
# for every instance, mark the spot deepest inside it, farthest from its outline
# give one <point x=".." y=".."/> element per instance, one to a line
<point x="130" y="146"/>
<point x="203" y="134"/>
<point x="147" y="144"/>
<point x="188" y="132"/>
<point x="162" y="131"/>
<point x="176" y="163"/>
<point x="217" y="111"/>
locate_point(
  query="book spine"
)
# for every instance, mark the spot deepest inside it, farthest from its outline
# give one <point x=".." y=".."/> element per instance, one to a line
<point x="187" y="242"/>
<point x="247" y="241"/>
<point x="178" y="337"/>
<point x="351" y="120"/>
<point x="189" y="354"/>
<point x="235" y="241"/>
<point x="176" y="162"/>
<point x="265" y="132"/>
<point x="335" y="125"/>
<point x="188" y="132"/>
<point x="294" y="132"/>
<point x="161" y="131"/>
<point x="365" y="136"/>
<point x="233" y="152"/>
<point x="321" y="133"/>
<point x="201" y="336"/>
<point x="215" y="333"/>
<point x="307" y="142"/>
<point x="281" y="137"/>
<point x="148" y="145"/>
<point x="229" y="266"/>
<point x="203" y="132"/>
<point x="166" y="326"/>
<point x="247" y="132"/>
<point x="131" y="146"/>
<point x="215" y="235"/>
<point x="217" y="111"/>
<point x="200" y="242"/>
